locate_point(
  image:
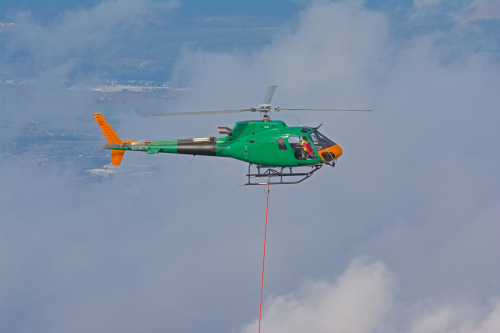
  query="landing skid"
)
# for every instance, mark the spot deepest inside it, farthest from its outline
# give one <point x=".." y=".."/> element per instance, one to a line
<point x="273" y="173"/>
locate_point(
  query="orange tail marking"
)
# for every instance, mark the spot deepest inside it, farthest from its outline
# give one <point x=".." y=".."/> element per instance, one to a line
<point x="112" y="137"/>
<point x="108" y="132"/>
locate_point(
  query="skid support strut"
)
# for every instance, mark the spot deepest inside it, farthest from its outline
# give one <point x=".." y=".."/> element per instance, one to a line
<point x="275" y="177"/>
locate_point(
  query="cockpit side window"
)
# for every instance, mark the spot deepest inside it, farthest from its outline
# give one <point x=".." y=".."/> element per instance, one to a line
<point x="299" y="145"/>
<point x="294" y="142"/>
<point x="281" y="143"/>
<point x="320" y="141"/>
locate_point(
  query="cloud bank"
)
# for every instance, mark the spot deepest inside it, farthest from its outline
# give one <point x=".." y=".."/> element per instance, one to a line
<point x="362" y="300"/>
<point x="358" y="301"/>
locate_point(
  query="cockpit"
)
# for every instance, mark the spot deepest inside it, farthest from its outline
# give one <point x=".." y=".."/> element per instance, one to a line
<point x="326" y="149"/>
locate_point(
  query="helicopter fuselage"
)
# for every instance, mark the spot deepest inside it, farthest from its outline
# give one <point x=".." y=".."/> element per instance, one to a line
<point x="263" y="143"/>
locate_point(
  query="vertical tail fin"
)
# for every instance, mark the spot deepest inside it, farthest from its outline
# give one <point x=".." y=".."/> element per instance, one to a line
<point x="106" y="129"/>
<point x="112" y="137"/>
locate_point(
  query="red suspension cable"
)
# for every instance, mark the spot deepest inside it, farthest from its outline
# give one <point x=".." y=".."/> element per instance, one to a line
<point x="263" y="258"/>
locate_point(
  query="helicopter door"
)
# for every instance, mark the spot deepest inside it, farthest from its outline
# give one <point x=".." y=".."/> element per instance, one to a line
<point x="262" y="152"/>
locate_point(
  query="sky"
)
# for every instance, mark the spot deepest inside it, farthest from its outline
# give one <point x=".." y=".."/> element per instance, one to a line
<point x="401" y="236"/>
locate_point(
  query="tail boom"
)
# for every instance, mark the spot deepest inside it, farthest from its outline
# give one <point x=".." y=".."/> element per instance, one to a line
<point x="194" y="146"/>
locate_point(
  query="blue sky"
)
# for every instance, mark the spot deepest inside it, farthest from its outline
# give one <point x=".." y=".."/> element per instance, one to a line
<point x="402" y="236"/>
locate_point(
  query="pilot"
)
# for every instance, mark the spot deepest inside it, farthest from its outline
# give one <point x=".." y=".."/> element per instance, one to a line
<point x="308" y="151"/>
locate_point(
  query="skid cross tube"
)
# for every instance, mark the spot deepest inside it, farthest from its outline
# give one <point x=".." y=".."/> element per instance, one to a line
<point x="273" y="173"/>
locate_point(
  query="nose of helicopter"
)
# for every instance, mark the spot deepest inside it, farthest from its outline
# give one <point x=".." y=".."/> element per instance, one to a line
<point x="336" y="150"/>
<point x="331" y="153"/>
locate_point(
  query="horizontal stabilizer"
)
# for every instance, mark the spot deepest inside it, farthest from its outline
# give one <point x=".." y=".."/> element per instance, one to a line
<point x="153" y="151"/>
<point x="114" y="140"/>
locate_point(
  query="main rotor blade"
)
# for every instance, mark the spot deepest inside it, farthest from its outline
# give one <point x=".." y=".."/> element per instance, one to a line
<point x="200" y="113"/>
<point x="269" y="94"/>
<point x="279" y="109"/>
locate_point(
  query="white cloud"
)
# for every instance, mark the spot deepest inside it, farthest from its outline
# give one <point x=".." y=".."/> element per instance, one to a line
<point x="363" y="300"/>
<point x="483" y="9"/>
<point x="357" y="302"/>
<point x="459" y="318"/>
<point x="105" y="171"/>
<point x="329" y="55"/>
<point x="329" y="51"/>
<point x="429" y="3"/>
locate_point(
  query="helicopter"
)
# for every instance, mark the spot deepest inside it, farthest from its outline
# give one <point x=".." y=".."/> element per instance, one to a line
<point x="275" y="150"/>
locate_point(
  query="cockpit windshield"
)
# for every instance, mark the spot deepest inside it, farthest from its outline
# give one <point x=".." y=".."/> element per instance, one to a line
<point x="320" y="141"/>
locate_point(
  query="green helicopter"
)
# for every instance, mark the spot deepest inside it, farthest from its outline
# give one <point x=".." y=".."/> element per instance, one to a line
<point x="272" y="147"/>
